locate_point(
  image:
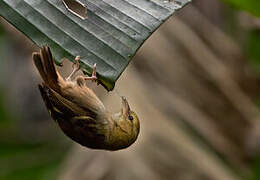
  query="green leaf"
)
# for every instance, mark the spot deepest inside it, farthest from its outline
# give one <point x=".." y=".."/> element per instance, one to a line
<point x="252" y="6"/>
<point x="110" y="36"/>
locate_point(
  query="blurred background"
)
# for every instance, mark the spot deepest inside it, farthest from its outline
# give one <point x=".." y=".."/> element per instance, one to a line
<point x="194" y="84"/>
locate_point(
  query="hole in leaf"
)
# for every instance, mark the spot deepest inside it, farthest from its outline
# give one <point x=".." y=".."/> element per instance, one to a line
<point x="76" y="8"/>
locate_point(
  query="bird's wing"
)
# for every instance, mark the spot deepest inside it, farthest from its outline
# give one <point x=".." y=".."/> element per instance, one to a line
<point x="83" y="97"/>
<point x="56" y="103"/>
<point x="83" y="129"/>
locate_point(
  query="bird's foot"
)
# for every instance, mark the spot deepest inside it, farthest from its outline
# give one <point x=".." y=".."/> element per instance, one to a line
<point x="76" y="68"/>
<point x="94" y="74"/>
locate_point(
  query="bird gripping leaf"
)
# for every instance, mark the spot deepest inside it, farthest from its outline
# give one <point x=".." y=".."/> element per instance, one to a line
<point x="79" y="112"/>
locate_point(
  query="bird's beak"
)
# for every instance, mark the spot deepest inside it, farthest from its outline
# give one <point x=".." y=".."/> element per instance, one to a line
<point x="126" y="107"/>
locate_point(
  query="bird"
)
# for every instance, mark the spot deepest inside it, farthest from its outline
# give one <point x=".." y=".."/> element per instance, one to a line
<point x="78" y="111"/>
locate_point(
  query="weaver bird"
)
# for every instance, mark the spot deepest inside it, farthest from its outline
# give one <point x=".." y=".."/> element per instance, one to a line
<point x="79" y="112"/>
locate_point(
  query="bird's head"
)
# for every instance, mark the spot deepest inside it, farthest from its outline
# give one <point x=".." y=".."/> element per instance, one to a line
<point x="126" y="128"/>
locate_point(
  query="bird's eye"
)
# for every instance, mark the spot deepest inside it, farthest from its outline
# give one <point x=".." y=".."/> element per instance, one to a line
<point x="130" y="117"/>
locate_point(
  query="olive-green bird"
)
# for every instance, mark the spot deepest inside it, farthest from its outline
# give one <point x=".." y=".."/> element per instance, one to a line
<point x="79" y="112"/>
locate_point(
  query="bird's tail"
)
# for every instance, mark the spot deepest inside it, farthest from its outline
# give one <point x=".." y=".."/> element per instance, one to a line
<point x="43" y="60"/>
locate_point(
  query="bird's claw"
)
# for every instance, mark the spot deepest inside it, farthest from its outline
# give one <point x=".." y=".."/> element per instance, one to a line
<point x="76" y="64"/>
<point x="93" y="77"/>
<point x="76" y="68"/>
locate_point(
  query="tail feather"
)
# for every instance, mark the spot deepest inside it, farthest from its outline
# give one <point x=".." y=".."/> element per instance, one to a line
<point x="38" y="63"/>
<point x="45" y="65"/>
<point x="50" y="70"/>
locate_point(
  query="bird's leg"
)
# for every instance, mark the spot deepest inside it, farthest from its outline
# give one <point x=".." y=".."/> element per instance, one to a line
<point x="75" y="68"/>
<point x="94" y="74"/>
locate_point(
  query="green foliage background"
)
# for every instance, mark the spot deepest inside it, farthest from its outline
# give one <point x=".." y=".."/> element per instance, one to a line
<point x="252" y="6"/>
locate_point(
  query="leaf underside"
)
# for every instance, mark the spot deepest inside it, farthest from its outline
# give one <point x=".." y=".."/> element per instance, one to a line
<point x="110" y="36"/>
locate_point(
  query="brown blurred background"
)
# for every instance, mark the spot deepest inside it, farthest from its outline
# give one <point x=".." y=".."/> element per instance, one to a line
<point x="193" y="84"/>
